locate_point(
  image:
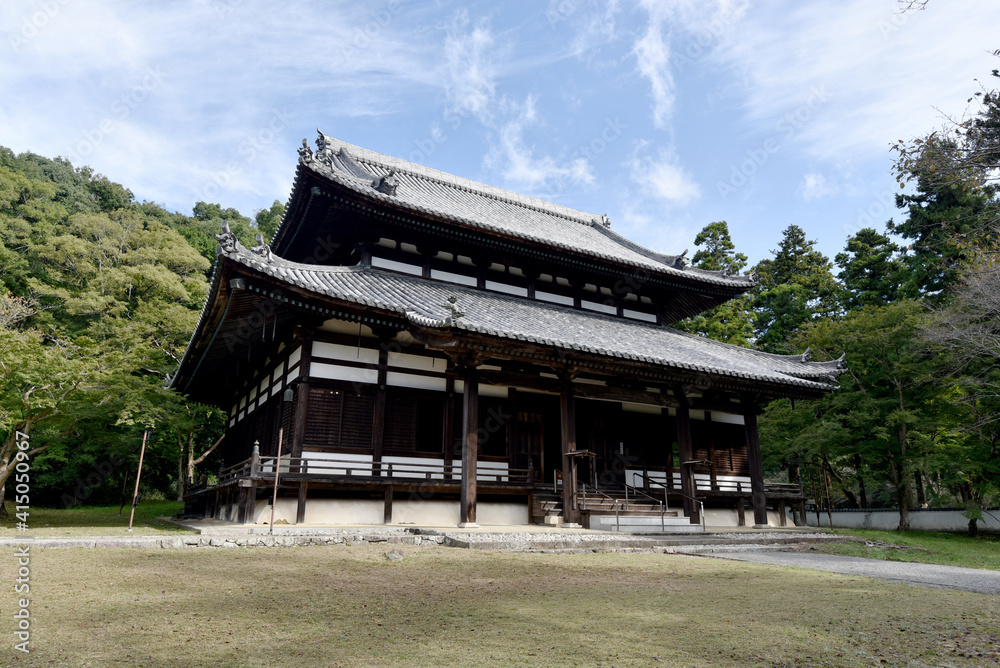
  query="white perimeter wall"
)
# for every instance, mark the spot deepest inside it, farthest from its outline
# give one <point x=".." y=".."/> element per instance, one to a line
<point x="920" y="520"/>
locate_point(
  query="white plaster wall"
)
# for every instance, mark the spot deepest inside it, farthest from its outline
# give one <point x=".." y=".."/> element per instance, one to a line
<point x="404" y="511"/>
<point x="724" y="517"/>
<point x="920" y="520"/>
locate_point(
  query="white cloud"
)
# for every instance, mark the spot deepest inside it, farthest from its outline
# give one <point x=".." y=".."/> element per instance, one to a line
<point x="662" y="177"/>
<point x="652" y="54"/>
<point x="518" y="162"/>
<point x="471" y="85"/>
<point x="815" y="186"/>
<point x="886" y="74"/>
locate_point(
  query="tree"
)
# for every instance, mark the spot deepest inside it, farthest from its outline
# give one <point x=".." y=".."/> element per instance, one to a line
<point x="794" y="287"/>
<point x="730" y="322"/>
<point x="871" y="272"/>
<point x="886" y="397"/>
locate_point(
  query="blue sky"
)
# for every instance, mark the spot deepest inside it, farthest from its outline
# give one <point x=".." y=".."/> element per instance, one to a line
<point x="666" y="115"/>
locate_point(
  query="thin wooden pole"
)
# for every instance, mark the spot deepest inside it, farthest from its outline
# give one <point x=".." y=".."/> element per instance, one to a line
<point x="277" y="469"/>
<point x="829" y="504"/>
<point x="135" y="496"/>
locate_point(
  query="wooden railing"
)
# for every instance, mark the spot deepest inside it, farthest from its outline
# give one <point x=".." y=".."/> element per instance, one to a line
<point x="738" y="486"/>
<point x="262" y="468"/>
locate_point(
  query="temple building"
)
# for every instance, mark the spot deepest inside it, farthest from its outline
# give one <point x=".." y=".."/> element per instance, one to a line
<point x="428" y="349"/>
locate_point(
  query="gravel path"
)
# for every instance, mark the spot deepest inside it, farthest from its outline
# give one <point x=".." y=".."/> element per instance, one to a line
<point x="923" y="575"/>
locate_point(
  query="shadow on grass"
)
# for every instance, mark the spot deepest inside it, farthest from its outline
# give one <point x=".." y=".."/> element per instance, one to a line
<point x="104" y="520"/>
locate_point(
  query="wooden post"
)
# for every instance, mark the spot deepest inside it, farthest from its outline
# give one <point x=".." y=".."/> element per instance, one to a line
<point x="378" y="421"/>
<point x="135" y="496"/>
<point x="567" y="414"/>
<point x="448" y="432"/>
<point x="782" y="520"/>
<point x="277" y="472"/>
<point x="713" y="474"/>
<point x="387" y="510"/>
<point x="470" y="447"/>
<point x="741" y="517"/>
<point x="300" y="510"/>
<point x="252" y="490"/>
<point x="756" y="463"/>
<point x="302" y="396"/>
<point x="686" y="454"/>
<point x="299" y="423"/>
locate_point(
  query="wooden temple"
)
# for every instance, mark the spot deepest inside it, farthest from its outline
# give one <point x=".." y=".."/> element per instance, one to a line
<point x="434" y="350"/>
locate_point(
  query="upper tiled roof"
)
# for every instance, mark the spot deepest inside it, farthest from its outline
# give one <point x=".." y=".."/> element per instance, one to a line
<point x="427" y="303"/>
<point x="437" y="193"/>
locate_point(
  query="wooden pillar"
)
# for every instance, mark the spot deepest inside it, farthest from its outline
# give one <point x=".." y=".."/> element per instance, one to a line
<point x="387" y="506"/>
<point x="741" y="517"/>
<point x="567" y="414"/>
<point x="686" y="454"/>
<point x="301" y="397"/>
<point x="448" y="432"/>
<point x="299" y="423"/>
<point x="378" y="420"/>
<point x="782" y="521"/>
<point x="756" y="463"/>
<point x="300" y="510"/>
<point x="470" y="447"/>
<point x="713" y="474"/>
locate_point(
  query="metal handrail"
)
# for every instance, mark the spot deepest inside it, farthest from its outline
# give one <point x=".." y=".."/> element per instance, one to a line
<point x="701" y="504"/>
<point x="618" y="526"/>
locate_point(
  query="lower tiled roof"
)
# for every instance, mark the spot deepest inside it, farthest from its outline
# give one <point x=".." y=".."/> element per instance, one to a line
<point x="431" y="303"/>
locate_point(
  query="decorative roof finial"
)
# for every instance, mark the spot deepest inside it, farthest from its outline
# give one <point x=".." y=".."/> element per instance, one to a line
<point x="387" y="184"/>
<point x="305" y="153"/>
<point x="454" y="312"/>
<point x="226" y="239"/>
<point x="680" y="261"/>
<point x="262" y="249"/>
<point x="606" y="221"/>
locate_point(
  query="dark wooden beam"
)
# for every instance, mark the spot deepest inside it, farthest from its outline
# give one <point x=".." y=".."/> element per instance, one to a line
<point x="686" y="454"/>
<point x="567" y="414"/>
<point x="750" y="410"/>
<point x="448" y="430"/>
<point x="378" y="418"/>
<point x="470" y="446"/>
<point x="387" y="509"/>
<point x="300" y="510"/>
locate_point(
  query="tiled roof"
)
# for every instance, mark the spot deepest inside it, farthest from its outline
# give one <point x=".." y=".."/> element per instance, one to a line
<point x="428" y="303"/>
<point x="475" y="204"/>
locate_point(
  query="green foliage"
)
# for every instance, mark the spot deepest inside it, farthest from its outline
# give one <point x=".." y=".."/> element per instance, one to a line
<point x="99" y="297"/>
<point x="871" y="272"/>
<point x="732" y="321"/>
<point x="794" y="287"/>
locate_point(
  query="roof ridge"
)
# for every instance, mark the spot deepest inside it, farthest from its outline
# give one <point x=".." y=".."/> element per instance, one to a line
<point x="361" y="154"/>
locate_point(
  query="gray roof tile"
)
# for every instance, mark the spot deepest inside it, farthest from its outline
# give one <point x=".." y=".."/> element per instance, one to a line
<point x="487" y="207"/>
<point x="425" y="302"/>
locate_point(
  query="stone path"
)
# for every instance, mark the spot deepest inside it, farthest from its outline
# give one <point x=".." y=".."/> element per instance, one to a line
<point x="923" y="575"/>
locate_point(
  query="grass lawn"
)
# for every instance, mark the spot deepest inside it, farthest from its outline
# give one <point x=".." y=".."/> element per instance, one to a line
<point x="94" y="521"/>
<point x="350" y="606"/>
<point x="925" y="547"/>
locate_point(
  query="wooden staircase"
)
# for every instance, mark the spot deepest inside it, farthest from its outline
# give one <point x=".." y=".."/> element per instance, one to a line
<point x="610" y="510"/>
